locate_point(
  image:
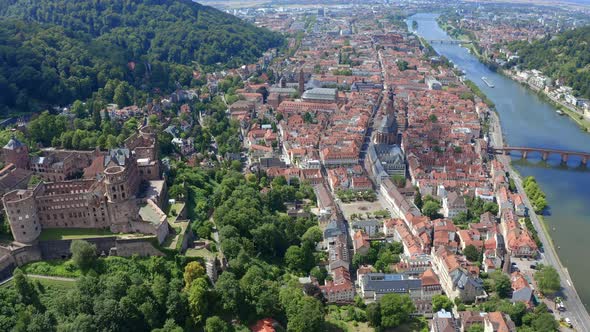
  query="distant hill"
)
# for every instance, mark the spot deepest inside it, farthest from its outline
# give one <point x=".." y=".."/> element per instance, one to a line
<point x="565" y="56"/>
<point x="56" y="51"/>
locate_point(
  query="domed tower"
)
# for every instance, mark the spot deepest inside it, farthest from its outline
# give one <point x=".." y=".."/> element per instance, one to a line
<point x="21" y="209"/>
<point x="17" y="153"/>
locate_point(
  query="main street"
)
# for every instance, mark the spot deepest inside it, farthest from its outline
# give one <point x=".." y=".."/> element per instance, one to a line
<point x="575" y="310"/>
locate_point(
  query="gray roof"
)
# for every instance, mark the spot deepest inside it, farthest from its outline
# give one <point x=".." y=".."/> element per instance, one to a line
<point x="388" y="124"/>
<point x="320" y="93"/>
<point x="13" y="144"/>
<point x="461" y="280"/>
<point x="389" y="283"/>
<point x="118" y="156"/>
<point x="333" y="229"/>
<point x="366" y="223"/>
<point x="522" y="295"/>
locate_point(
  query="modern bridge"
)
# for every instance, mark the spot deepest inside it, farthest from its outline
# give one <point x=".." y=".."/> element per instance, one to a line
<point x="545" y="153"/>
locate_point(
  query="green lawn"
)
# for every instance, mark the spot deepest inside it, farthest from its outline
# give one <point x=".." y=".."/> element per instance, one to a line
<point x="73" y="233"/>
<point x="56" y="285"/>
<point x="60" y="268"/>
<point x="176" y="207"/>
<point x="191" y="252"/>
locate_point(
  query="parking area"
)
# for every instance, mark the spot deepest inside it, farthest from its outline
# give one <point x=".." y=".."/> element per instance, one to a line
<point x="528" y="268"/>
<point x="525" y="266"/>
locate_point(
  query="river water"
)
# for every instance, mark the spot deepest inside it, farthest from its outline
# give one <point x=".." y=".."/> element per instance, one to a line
<point x="529" y="121"/>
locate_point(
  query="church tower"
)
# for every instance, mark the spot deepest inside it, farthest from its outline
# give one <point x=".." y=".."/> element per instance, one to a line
<point x="301" y="82"/>
<point x="387" y="131"/>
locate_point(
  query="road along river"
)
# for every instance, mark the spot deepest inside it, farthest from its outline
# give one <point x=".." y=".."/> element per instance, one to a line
<point x="529" y="121"/>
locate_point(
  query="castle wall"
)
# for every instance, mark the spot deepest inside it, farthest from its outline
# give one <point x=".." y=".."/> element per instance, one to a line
<point x="149" y="171"/>
<point x="72" y="204"/>
<point x="60" y="249"/>
<point x="140" y="247"/>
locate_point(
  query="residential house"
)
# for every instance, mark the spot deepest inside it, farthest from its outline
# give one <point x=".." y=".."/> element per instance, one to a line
<point x="459" y="279"/>
<point x="443" y="321"/>
<point x="522" y="291"/>
<point x="498" y="322"/>
<point x="361" y="242"/>
<point x="453" y="204"/>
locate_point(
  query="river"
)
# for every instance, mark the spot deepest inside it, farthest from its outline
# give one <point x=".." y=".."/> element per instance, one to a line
<point x="529" y="121"/>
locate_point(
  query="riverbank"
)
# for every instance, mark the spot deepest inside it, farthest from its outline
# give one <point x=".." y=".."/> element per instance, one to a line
<point x="579" y="119"/>
<point x="529" y="121"/>
<point x="549" y="254"/>
<point x="575" y="116"/>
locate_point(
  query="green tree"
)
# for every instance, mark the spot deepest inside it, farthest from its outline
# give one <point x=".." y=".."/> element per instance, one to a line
<point x="216" y="324"/>
<point x="395" y="310"/>
<point x="309" y="316"/>
<point x="230" y="293"/>
<point x="374" y="314"/>
<point x="27" y="293"/>
<point x="471" y="252"/>
<point x="295" y="258"/>
<point x="418" y="199"/>
<point x="548" y="279"/>
<point x="192" y="271"/>
<point x="83" y="254"/>
<point x="441" y="302"/>
<point x="169" y="326"/>
<point x="313" y="235"/>
<point x="431" y="208"/>
<point x="502" y="284"/>
<point x="198" y="300"/>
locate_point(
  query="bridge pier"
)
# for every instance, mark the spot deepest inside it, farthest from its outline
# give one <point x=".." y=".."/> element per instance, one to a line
<point x="584" y="161"/>
<point x="564" y="158"/>
<point x="544" y="156"/>
<point x="525" y="154"/>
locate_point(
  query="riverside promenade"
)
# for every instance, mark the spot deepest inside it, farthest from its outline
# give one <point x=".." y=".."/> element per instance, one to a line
<point x="575" y="309"/>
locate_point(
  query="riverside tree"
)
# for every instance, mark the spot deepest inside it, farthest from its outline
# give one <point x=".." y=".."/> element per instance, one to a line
<point x="548" y="279"/>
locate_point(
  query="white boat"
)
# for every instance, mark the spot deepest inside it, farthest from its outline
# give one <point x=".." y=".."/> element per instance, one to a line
<point x="560" y="112"/>
<point x="487" y="81"/>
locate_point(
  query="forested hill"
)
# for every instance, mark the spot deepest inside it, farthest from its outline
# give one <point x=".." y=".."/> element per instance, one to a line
<point x="565" y="56"/>
<point x="55" y="51"/>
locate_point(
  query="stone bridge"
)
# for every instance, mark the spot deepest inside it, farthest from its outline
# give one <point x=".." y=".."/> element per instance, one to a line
<point x="448" y="41"/>
<point x="545" y="153"/>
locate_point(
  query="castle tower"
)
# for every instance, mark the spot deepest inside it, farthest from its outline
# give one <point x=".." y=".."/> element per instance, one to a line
<point x="121" y="184"/>
<point x="17" y="153"/>
<point x="21" y="209"/>
<point x="301" y="82"/>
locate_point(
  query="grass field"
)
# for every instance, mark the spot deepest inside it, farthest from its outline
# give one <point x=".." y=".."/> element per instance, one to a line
<point x="73" y="233"/>
<point x="48" y="283"/>
<point x="58" y="268"/>
<point x="191" y="252"/>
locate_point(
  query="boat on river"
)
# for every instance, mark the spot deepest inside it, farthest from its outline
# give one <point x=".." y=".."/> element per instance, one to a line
<point x="487" y="81"/>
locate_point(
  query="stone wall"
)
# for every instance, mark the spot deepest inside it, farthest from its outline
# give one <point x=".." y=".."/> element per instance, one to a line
<point x="7" y="266"/>
<point x="60" y="249"/>
<point x="140" y="247"/>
